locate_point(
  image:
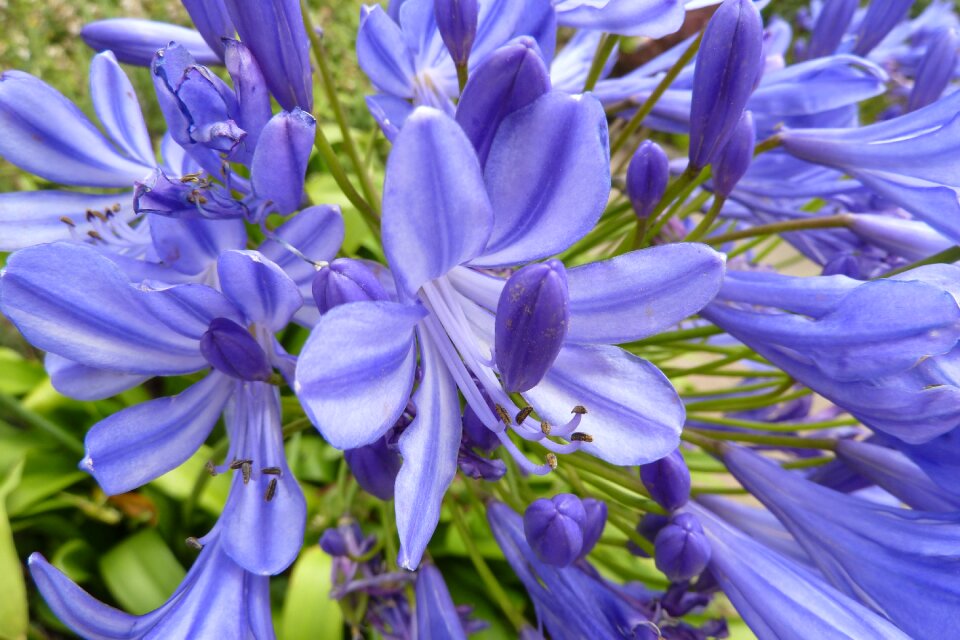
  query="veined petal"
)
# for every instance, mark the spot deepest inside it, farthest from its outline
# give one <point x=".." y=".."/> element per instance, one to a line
<point x="44" y="133"/>
<point x="503" y="20"/>
<point x="548" y="175"/>
<point x="280" y="160"/>
<point x="259" y="288"/>
<point x="382" y="53"/>
<point x="390" y="113"/>
<point x="633" y="413"/>
<point x="118" y="109"/>
<point x="650" y="18"/>
<point x="436" y="211"/>
<point x="641" y="293"/>
<point x="437" y="618"/>
<point x="71" y="300"/>
<point x="253" y="97"/>
<point x="28" y="218"/>
<point x="188" y="309"/>
<point x="134" y="40"/>
<point x="355" y="371"/>
<point x="81" y="382"/>
<point x="429" y="447"/>
<point x="141" y="443"/>
<point x="192" y="245"/>
<point x="212" y="21"/>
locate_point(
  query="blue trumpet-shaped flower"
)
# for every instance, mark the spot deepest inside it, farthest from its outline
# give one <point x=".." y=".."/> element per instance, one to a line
<point x="650" y="18"/>
<point x="447" y="219"/>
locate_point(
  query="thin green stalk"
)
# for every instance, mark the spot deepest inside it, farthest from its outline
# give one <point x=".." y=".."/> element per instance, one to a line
<point x="13" y="407"/>
<point x="678" y="335"/>
<point x="701" y="229"/>
<point x="340" y="176"/>
<point x="728" y="390"/>
<point x="620" y="523"/>
<point x="717" y="491"/>
<point x="763" y="253"/>
<point x="807" y="463"/>
<point x="697" y="178"/>
<point x="948" y="256"/>
<point x="607" y="44"/>
<point x="828" y="444"/>
<point x="648" y="104"/>
<point x="463" y="74"/>
<point x="611" y="491"/>
<point x="823" y="222"/>
<point x="771" y="426"/>
<point x="766" y="145"/>
<point x="320" y="54"/>
<point x="490" y="581"/>
<point x="615" y="476"/>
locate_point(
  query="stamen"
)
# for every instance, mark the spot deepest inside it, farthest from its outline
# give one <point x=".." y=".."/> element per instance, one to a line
<point x="552" y="461"/>
<point x="525" y="465"/>
<point x="95" y="235"/>
<point x="271" y="490"/>
<point x="545" y="427"/>
<point x="502" y="414"/>
<point x="578" y="436"/>
<point x="237" y="464"/>
<point x="564" y="449"/>
<point x="245" y="470"/>
<point x="67" y="221"/>
<point x="523" y="415"/>
<point x="579" y="409"/>
<point x="193" y="542"/>
<point x="211" y="469"/>
<point x="270" y="471"/>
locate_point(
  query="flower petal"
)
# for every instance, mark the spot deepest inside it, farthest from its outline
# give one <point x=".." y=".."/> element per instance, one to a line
<point x="44" y="133"/>
<point x="641" y="293"/>
<point x="548" y="175"/>
<point x="382" y="53"/>
<point x="356" y="369"/>
<point x="141" y="443"/>
<point x="72" y="301"/>
<point x="118" y="109"/>
<point x="650" y="18"/>
<point x="259" y="288"/>
<point x="81" y="382"/>
<point x="192" y="245"/>
<point x="436" y="211"/>
<point x="134" y="40"/>
<point x="35" y="217"/>
<point x="429" y="447"/>
<point x="633" y="413"/>
<point x="279" y="163"/>
<point x="212" y="21"/>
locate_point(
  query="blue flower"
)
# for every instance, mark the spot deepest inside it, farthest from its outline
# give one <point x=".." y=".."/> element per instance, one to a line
<point x="649" y="18"/>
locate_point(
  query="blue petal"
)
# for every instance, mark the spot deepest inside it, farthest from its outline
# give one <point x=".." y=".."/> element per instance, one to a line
<point x="212" y="20"/>
<point x="809" y="296"/>
<point x="280" y="160"/>
<point x="437" y="618"/>
<point x="389" y="112"/>
<point x="436" y="214"/>
<point x="141" y="443"/>
<point x="641" y="293"/>
<point x="78" y="381"/>
<point x="192" y="245"/>
<point x="383" y="55"/>
<point x="429" y="447"/>
<point x="35" y="217"/>
<point x="260" y="289"/>
<point x="650" y="18"/>
<point x="134" y="41"/>
<point x="548" y="175"/>
<point x="72" y="301"/>
<point x="44" y="133"/>
<point x="355" y="371"/>
<point x="118" y="109"/>
<point x="253" y="98"/>
<point x="633" y="413"/>
<point x="188" y="309"/>
<point x="503" y="20"/>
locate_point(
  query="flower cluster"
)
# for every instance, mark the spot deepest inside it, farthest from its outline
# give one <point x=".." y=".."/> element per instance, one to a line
<point x="566" y="325"/>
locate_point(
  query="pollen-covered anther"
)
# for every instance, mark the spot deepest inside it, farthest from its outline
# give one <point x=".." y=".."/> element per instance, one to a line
<point x="579" y="410"/>
<point x="237" y="464"/>
<point x="270" y="471"/>
<point x="523" y="414"/>
<point x="271" y="490"/>
<point x="245" y="469"/>
<point x="577" y="436"/>
<point x="193" y="542"/>
<point x="552" y="460"/>
<point x="95" y="235"/>
<point x="211" y="469"/>
<point x="67" y="221"/>
<point x="503" y="414"/>
<point x="545" y="427"/>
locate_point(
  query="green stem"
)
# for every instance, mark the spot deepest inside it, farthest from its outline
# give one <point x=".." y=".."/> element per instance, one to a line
<point x="778" y="441"/>
<point x="701" y="229"/>
<point x="648" y="104"/>
<point x="490" y="581"/>
<point x="766" y="145"/>
<point x="823" y="222"/>
<point x="615" y="476"/>
<point x="340" y="176"/>
<point x="618" y="521"/>
<point x="950" y="255"/>
<point x="607" y="43"/>
<point x="678" y="335"/>
<point x="463" y="74"/>
<point x="320" y="54"/>
<point x="771" y="426"/>
<point x="10" y="405"/>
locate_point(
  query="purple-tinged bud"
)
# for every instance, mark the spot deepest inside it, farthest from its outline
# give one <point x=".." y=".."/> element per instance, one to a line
<point x="832" y="23"/>
<point x="230" y="349"/>
<point x="648" y="527"/>
<point x="375" y="466"/>
<point x="457" y="23"/>
<point x="728" y="64"/>
<point x="667" y="480"/>
<point x="532" y="318"/>
<point x="735" y="157"/>
<point x="554" y="528"/>
<point x="476" y="434"/>
<point x="881" y="17"/>
<point x="647" y="177"/>
<point x="437" y="617"/>
<point x="596" y="519"/>
<point x="336" y="541"/>
<point x="345" y="280"/>
<point x="935" y="70"/>
<point x="682" y="548"/>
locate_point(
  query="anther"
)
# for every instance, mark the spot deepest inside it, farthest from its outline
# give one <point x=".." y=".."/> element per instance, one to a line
<point x="115" y="207"/>
<point x="67" y="221"/>
<point x="578" y="436"/>
<point x="193" y="542"/>
<point x="190" y="177"/>
<point x="271" y="490"/>
<point x="212" y="470"/>
<point x="545" y="427"/>
<point x="270" y="471"/>
<point x="95" y="235"/>
<point x="245" y="470"/>
<point x="523" y="414"/>
<point x="502" y="414"/>
<point x="579" y="410"/>
<point x="237" y="464"/>
<point x="552" y="460"/>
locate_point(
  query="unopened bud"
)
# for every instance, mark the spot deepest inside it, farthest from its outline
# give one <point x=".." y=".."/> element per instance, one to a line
<point x="230" y="349"/>
<point x="667" y="480"/>
<point x="682" y="550"/>
<point x="343" y="281"/>
<point x="735" y="157"/>
<point x="554" y="528"/>
<point x="457" y="23"/>
<point x="375" y="466"/>
<point x="593" y="524"/>
<point x="647" y="177"/>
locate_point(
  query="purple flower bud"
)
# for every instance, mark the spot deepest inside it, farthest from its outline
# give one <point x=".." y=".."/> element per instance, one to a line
<point x="881" y="17"/>
<point x="230" y="349"/>
<point x="647" y="177"/>
<point x="531" y="324"/>
<point x="832" y="23"/>
<point x="728" y="65"/>
<point x="667" y="480"/>
<point x="476" y="434"/>
<point x="735" y="157"/>
<point x="336" y="541"/>
<point x="457" y="23"/>
<point x="345" y="280"/>
<point x="648" y="527"/>
<point x="554" y="528"/>
<point x="375" y="466"/>
<point x="596" y="511"/>
<point x="935" y="69"/>
<point x="682" y="548"/>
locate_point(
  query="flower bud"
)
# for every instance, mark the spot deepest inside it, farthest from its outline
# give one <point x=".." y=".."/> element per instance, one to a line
<point x="682" y="550"/>
<point x="337" y="541"/>
<point x="345" y="280"/>
<point x="647" y="177"/>
<point x="531" y="324"/>
<point x="728" y="64"/>
<point x="554" y="528"/>
<point x="832" y="23"/>
<point x="375" y="466"/>
<point x="735" y="157"/>
<point x="881" y="17"/>
<point x="596" y="519"/>
<point x="476" y="434"/>
<point x="230" y="349"/>
<point x="935" y="69"/>
<point x="667" y="480"/>
<point x="648" y="527"/>
<point x="457" y="23"/>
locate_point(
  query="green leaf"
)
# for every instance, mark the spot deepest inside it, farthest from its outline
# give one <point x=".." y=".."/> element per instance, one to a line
<point x="17" y="375"/>
<point x="308" y="611"/>
<point x="179" y="483"/>
<point x="141" y="572"/>
<point x="13" y="605"/>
